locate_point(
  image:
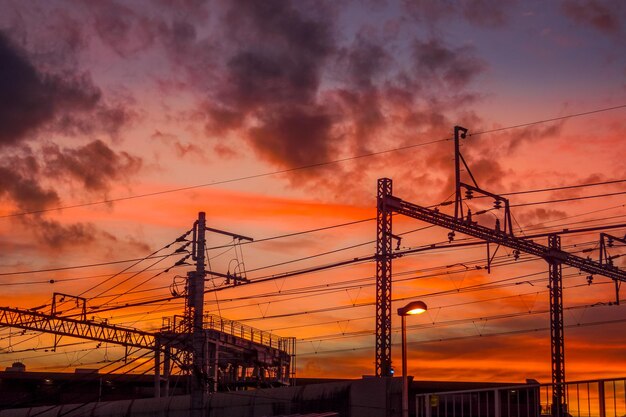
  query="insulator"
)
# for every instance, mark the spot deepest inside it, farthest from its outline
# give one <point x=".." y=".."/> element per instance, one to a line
<point x="589" y="279"/>
<point x="516" y="254"/>
<point x="610" y="242"/>
<point x="497" y="204"/>
<point x="450" y="236"/>
<point x="469" y="194"/>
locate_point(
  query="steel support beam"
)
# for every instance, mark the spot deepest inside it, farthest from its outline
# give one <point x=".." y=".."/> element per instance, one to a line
<point x="552" y="253"/>
<point x="63" y="326"/>
<point x="196" y="302"/>
<point x="395" y="204"/>
<point x="556" y="329"/>
<point x="383" y="279"/>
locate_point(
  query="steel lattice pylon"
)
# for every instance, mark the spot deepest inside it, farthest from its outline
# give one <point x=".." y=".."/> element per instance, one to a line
<point x="556" y="327"/>
<point x="383" y="279"/>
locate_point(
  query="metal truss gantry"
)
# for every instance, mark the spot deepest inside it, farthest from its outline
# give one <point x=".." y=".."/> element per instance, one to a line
<point x="383" y="279"/>
<point x="215" y="349"/>
<point x="462" y="222"/>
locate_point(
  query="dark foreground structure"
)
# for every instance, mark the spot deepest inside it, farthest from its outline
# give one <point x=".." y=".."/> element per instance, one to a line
<point x="369" y="397"/>
<point x="49" y="395"/>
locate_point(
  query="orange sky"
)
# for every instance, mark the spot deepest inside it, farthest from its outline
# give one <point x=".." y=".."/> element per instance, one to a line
<point x="138" y="99"/>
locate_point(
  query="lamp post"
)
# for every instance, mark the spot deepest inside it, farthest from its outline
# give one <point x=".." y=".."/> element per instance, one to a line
<point x="414" y="307"/>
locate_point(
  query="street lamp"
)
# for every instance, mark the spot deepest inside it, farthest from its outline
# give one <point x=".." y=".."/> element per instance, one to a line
<point x="413" y="308"/>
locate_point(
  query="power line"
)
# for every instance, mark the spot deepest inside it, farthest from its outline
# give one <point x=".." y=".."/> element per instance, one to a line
<point x="567" y="199"/>
<point x="453" y="322"/>
<point x="287" y="274"/>
<point x="509" y="332"/>
<point x="303" y="167"/>
<point x="554" y="119"/>
<point x="150" y="301"/>
<point x="565" y="187"/>
<point x="65" y="268"/>
<point x="227" y="181"/>
<point x="322" y="229"/>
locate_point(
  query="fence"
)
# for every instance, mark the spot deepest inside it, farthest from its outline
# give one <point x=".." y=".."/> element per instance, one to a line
<point x="180" y="324"/>
<point x="593" y="398"/>
<point x="234" y="328"/>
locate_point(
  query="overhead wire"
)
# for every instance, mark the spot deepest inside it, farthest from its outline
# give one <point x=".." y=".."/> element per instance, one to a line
<point x="315" y="230"/>
<point x="553" y="119"/>
<point x="131" y="266"/>
<point x="303" y="167"/>
<point x="484" y="335"/>
<point x="553" y="201"/>
<point x="267" y="278"/>
<point x="467" y="320"/>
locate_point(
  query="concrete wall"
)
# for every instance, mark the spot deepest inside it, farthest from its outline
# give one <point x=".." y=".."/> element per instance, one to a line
<point x="370" y="397"/>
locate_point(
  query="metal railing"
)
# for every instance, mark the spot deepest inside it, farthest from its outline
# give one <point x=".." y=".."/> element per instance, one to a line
<point x="592" y="398"/>
<point x="180" y="324"/>
<point x="234" y="328"/>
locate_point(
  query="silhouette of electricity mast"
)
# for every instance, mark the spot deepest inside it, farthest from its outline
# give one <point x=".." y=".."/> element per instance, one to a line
<point x="195" y="313"/>
<point x="501" y="235"/>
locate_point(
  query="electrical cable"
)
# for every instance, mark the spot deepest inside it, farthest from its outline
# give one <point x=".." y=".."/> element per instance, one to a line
<point x="567" y="199"/>
<point x="370" y="332"/>
<point x="456" y="338"/>
<point x="310" y="231"/>
<point x="553" y="119"/>
<point x="303" y="167"/>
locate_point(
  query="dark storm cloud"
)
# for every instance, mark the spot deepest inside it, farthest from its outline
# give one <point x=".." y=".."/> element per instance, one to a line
<point x="482" y="13"/>
<point x="109" y="119"/>
<point x="281" y="76"/>
<point x="121" y="28"/>
<point x="604" y="16"/>
<point x="19" y="182"/>
<point x="31" y="98"/>
<point x="279" y="56"/>
<point x="532" y="134"/>
<point x="94" y="165"/>
<point x="294" y="137"/>
<point x="509" y="142"/>
<point x="56" y="235"/>
<point x="363" y="65"/>
<point x="27" y="177"/>
<point x="183" y="149"/>
<point x="452" y="67"/>
<point x="540" y="215"/>
<point x="366" y="60"/>
<point x="273" y="76"/>
<point x="487" y="13"/>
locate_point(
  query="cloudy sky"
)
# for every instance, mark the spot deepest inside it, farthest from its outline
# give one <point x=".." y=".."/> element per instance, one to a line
<point x="121" y="120"/>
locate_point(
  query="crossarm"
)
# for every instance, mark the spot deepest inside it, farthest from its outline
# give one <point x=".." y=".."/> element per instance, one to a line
<point x="523" y="245"/>
<point x="29" y="320"/>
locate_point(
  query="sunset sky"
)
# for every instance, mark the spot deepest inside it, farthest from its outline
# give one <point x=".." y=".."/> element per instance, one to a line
<point x="121" y="120"/>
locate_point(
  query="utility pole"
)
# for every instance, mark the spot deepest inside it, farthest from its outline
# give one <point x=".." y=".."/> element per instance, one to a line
<point x="557" y="345"/>
<point x="195" y="314"/>
<point x="500" y="235"/>
<point x="383" y="280"/>
<point x="196" y="305"/>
